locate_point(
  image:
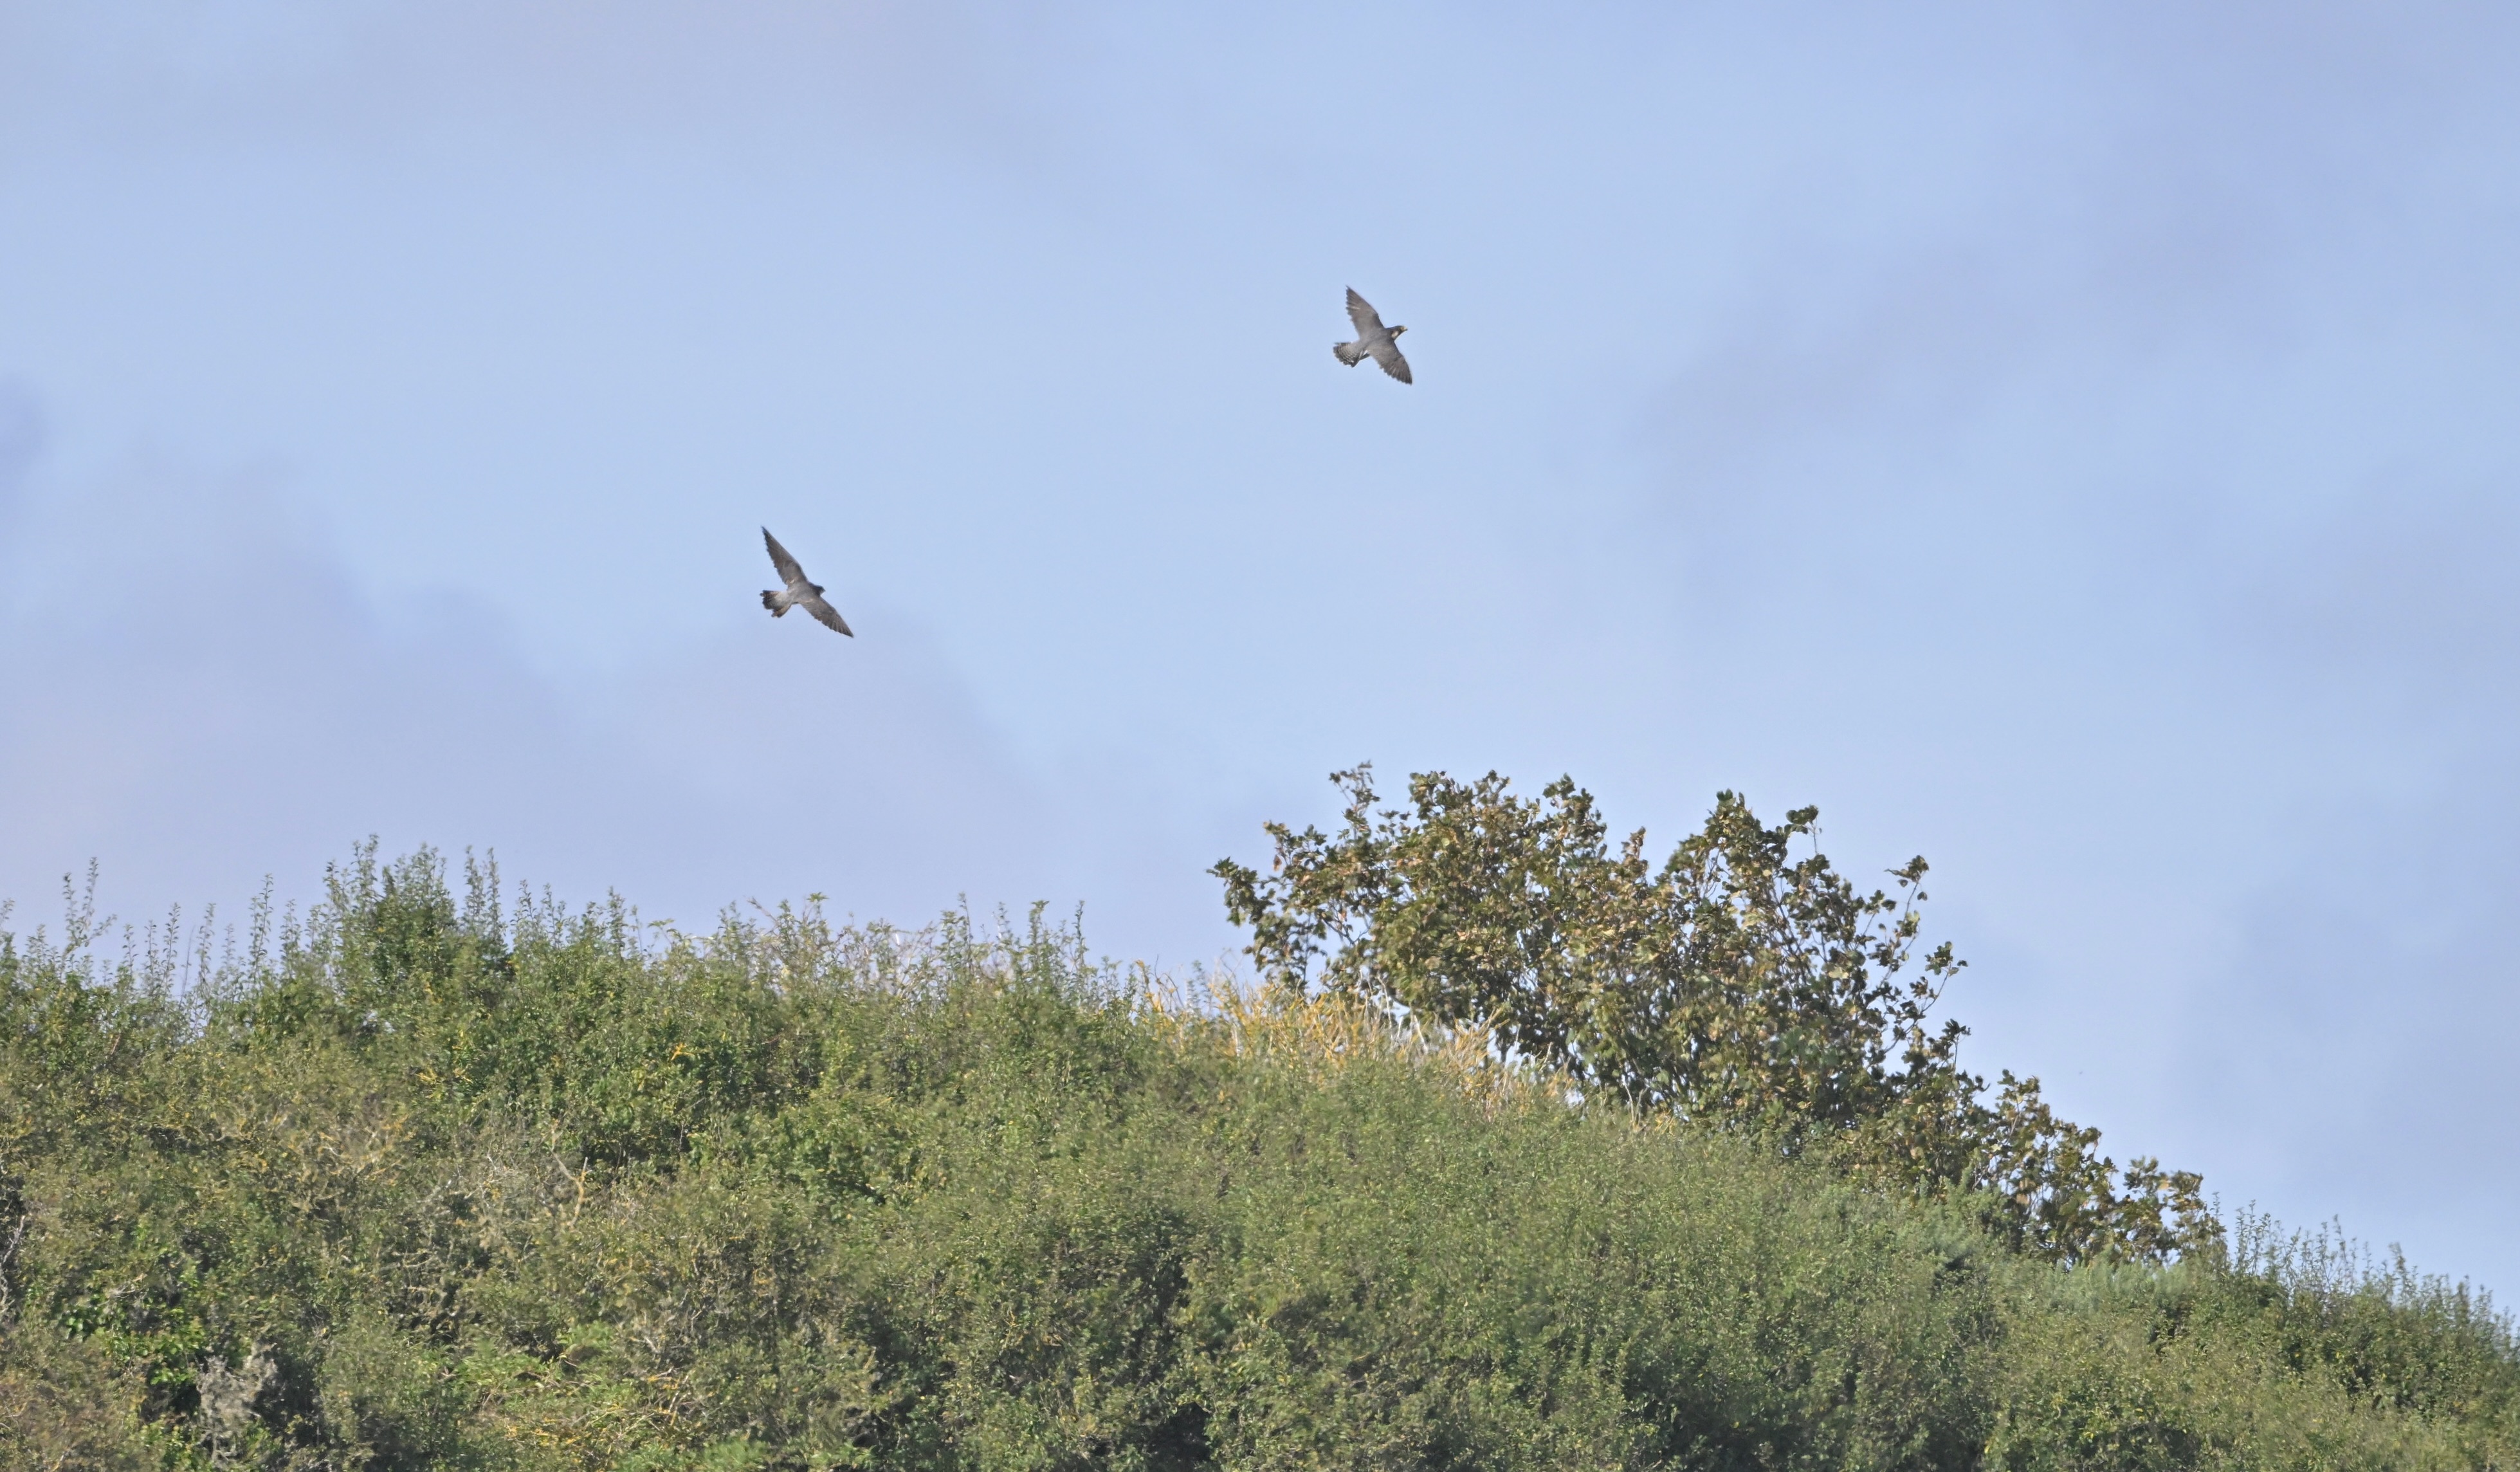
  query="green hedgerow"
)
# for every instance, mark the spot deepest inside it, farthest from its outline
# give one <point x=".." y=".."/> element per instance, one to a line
<point x="429" y="1180"/>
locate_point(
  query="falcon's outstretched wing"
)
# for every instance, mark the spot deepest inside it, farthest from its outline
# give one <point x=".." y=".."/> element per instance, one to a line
<point x="826" y="614"/>
<point x="1387" y="353"/>
<point x="788" y="571"/>
<point x="1369" y="322"/>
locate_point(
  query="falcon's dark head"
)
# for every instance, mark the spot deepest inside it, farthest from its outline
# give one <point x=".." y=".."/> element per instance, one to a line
<point x="1397" y="330"/>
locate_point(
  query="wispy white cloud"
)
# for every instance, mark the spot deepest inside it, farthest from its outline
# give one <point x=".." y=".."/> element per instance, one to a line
<point x="2074" y="442"/>
<point x="623" y="77"/>
<point x="197" y="688"/>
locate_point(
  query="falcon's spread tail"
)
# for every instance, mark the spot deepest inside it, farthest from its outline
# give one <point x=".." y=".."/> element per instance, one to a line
<point x="1350" y="353"/>
<point x="770" y="601"/>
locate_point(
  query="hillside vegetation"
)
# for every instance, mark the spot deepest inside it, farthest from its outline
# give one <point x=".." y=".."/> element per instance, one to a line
<point x="421" y="1181"/>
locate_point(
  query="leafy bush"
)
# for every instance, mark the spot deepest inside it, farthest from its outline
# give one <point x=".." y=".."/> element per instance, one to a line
<point x="426" y="1181"/>
<point x="1735" y="985"/>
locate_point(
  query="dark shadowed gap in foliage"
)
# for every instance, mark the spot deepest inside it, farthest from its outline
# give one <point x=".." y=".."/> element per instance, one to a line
<point x="439" y="1173"/>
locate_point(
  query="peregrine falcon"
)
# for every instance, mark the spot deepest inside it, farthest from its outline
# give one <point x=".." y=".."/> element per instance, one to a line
<point x="798" y="593"/>
<point x="1371" y="337"/>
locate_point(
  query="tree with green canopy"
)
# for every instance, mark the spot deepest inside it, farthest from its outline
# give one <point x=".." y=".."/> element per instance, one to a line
<point x="1735" y="985"/>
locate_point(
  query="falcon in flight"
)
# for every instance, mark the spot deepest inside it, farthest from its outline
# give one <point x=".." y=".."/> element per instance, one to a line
<point x="1371" y="337"/>
<point x="798" y="593"/>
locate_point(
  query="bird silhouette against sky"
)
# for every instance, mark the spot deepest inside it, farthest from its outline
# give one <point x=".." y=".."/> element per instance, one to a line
<point x="798" y="593"/>
<point x="1371" y="337"/>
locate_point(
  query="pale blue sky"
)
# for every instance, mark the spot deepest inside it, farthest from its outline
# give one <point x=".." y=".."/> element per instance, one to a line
<point x="2077" y="444"/>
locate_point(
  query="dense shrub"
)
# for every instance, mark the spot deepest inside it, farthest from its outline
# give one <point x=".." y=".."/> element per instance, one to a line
<point x="426" y="1181"/>
<point x="1735" y="985"/>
